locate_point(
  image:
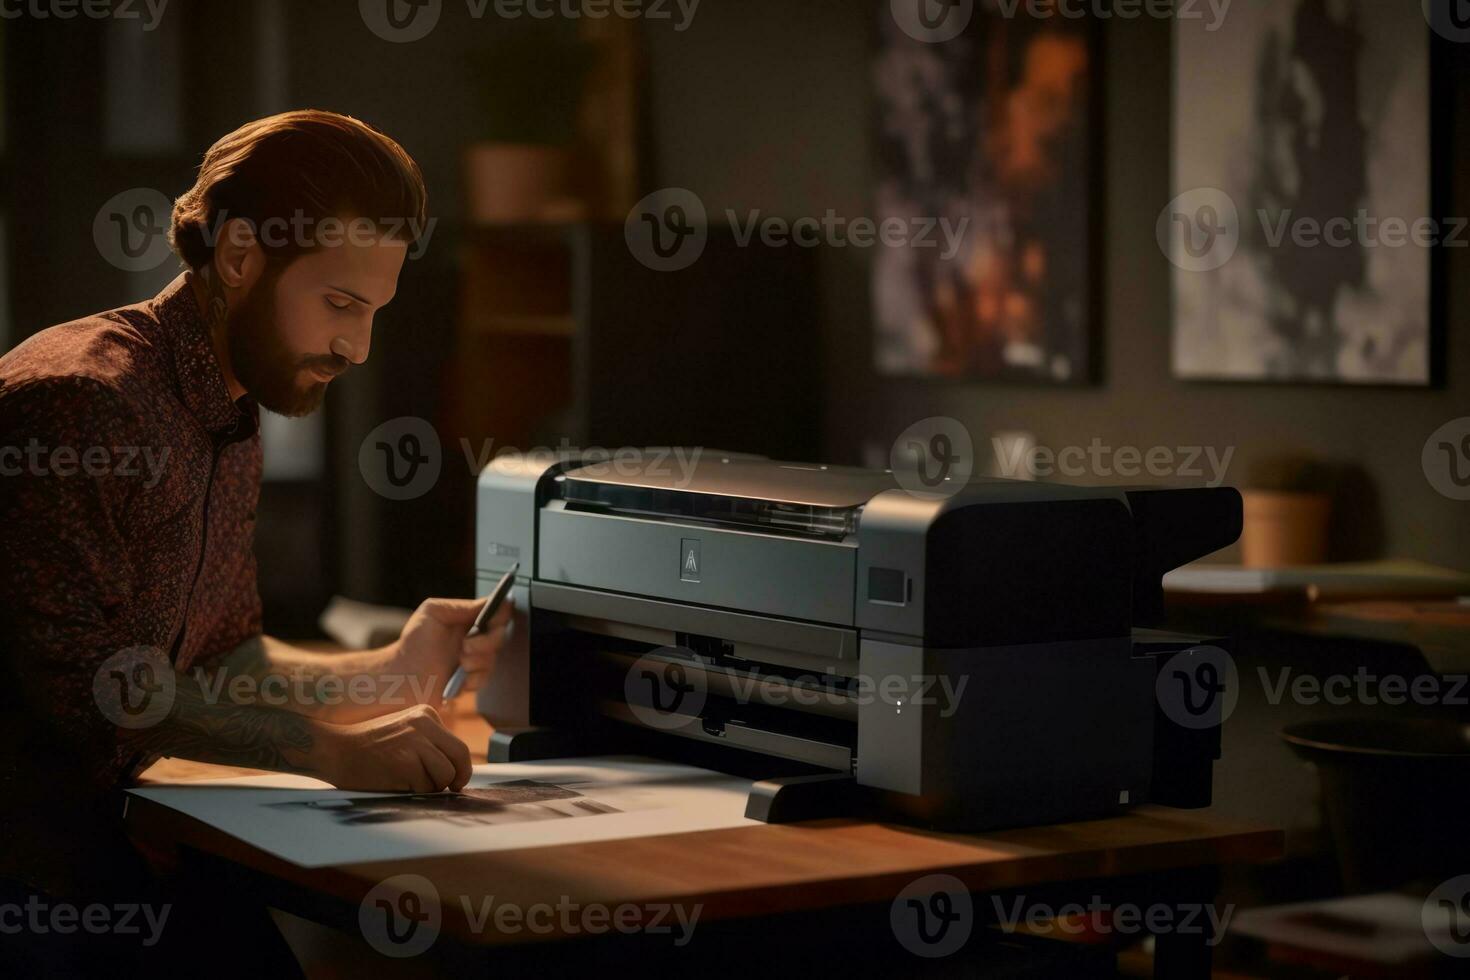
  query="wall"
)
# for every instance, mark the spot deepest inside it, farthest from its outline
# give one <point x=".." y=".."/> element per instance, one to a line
<point x="764" y="104"/>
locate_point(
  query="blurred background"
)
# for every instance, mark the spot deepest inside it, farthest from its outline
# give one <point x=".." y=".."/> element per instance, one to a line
<point x="1332" y="385"/>
<point x="519" y="323"/>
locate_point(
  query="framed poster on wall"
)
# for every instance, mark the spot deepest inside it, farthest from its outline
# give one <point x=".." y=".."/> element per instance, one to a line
<point x="1302" y="228"/>
<point x="987" y="140"/>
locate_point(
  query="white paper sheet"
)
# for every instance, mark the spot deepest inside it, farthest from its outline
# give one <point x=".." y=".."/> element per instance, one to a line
<point x="505" y="806"/>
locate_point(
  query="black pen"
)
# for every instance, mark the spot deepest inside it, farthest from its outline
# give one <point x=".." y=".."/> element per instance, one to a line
<point x="497" y="596"/>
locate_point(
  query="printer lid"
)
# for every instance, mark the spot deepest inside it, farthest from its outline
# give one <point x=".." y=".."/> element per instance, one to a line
<point x="712" y="487"/>
<point x="716" y="474"/>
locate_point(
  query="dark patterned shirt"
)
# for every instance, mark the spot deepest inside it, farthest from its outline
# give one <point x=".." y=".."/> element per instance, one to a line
<point x="128" y="486"/>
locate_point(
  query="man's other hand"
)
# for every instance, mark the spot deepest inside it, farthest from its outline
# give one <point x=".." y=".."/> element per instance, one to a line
<point x="433" y="643"/>
<point x="409" y="751"/>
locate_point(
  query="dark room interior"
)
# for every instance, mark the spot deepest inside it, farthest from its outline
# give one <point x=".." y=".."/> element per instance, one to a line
<point x="1059" y="411"/>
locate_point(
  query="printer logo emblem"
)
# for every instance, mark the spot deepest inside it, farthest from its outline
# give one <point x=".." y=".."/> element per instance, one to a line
<point x="933" y="916"/>
<point x="401" y="916"/>
<point x="689" y="560"/>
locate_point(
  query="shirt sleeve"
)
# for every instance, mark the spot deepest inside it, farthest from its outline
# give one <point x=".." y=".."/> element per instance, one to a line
<point x="65" y="574"/>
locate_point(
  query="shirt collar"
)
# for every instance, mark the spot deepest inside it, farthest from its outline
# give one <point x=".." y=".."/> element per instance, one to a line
<point x="197" y="372"/>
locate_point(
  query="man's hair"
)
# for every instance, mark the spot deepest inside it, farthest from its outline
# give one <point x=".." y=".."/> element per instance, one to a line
<point x="295" y="170"/>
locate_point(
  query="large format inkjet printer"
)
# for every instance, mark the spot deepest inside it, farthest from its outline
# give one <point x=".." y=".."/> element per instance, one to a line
<point x="970" y="659"/>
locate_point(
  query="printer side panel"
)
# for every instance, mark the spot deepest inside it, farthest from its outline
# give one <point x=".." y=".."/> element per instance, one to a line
<point x="995" y="650"/>
<point x="1006" y="736"/>
<point x="893" y="724"/>
<point x="1002" y="562"/>
<point x="1014" y="572"/>
<point x="890" y="587"/>
<point x="506" y="511"/>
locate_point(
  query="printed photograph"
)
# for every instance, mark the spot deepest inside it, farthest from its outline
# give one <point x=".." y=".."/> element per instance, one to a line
<point x="516" y="801"/>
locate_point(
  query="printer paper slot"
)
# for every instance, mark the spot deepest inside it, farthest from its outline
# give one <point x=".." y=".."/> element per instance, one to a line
<point x="808" y="647"/>
<point x="813" y="695"/>
<point x="740" y="734"/>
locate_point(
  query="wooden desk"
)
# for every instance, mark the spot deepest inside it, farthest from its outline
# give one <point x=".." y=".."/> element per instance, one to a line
<point x="1152" y="854"/>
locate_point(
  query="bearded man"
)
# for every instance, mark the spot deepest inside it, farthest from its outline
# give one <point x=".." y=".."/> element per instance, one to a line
<point x="128" y="600"/>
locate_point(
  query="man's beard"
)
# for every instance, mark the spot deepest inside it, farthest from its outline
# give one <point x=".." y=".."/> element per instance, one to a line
<point x="264" y="365"/>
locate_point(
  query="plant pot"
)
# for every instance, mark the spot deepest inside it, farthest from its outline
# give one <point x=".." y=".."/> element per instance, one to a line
<point x="507" y="183"/>
<point x="1284" y="528"/>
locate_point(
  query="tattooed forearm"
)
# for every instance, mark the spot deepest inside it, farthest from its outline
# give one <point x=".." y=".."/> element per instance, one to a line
<point x="340" y="687"/>
<point x="204" y="730"/>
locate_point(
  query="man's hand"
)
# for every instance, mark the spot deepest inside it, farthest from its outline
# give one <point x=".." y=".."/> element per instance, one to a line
<point x="433" y="643"/>
<point x="352" y="686"/>
<point x="408" y="751"/>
